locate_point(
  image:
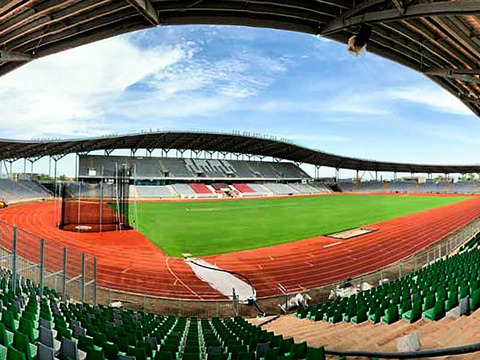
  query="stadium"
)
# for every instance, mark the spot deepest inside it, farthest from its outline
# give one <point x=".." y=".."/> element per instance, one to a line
<point x="218" y="245"/>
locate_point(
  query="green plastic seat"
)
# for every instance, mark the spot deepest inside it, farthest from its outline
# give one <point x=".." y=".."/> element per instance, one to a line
<point x="452" y="301"/>
<point x="316" y="353"/>
<point x="64" y="333"/>
<point x="3" y="336"/>
<point x="13" y="354"/>
<point x="246" y="356"/>
<point x="26" y="327"/>
<point x="286" y="345"/>
<point x="95" y="354"/>
<point x="216" y="357"/>
<point x="475" y="300"/>
<point x="85" y="342"/>
<point x="272" y="354"/>
<point x="191" y="356"/>
<point x="110" y="351"/>
<point x="429" y="302"/>
<point x="299" y="350"/>
<point x="376" y="316"/>
<point x="163" y="355"/>
<point x="99" y="339"/>
<point x="8" y="320"/>
<point x="173" y="349"/>
<point x="391" y="315"/>
<point x="415" y="314"/>
<point x="360" y="317"/>
<point x="122" y="344"/>
<point x="21" y="343"/>
<point x="139" y="353"/>
<point x="437" y="312"/>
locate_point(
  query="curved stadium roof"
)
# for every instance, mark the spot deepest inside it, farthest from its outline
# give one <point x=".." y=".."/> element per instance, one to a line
<point x="216" y="142"/>
<point x="438" y="38"/>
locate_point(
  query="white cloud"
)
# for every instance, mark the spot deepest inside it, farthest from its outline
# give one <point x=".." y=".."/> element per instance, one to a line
<point x="69" y="93"/>
<point x="78" y="92"/>
<point x="433" y="97"/>
<point x="339" y="104"/>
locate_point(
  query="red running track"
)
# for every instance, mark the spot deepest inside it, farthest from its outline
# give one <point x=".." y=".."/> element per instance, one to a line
<point x="130" y="262"/>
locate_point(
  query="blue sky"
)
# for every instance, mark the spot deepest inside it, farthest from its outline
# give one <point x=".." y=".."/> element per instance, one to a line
<point x="291" y="85"/>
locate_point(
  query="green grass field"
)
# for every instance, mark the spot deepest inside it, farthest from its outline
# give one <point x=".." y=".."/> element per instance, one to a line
<point x="216" y="227"/>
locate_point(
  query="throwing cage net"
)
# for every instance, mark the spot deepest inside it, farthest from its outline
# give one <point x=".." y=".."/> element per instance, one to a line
<point x="96" y="207"/>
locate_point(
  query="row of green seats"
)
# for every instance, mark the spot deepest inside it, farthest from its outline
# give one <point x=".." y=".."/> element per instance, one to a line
<point x="428" y="292"/>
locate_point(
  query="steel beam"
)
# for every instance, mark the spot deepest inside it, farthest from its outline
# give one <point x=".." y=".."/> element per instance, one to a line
<point x="451" y="71"/>
<point x="441" y="8"/>
<point x="147" y="10"/>
<point x="14" y="56"/>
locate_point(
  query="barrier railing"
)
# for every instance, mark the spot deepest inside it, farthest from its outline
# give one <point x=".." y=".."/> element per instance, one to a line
<point x="70" y="272"/>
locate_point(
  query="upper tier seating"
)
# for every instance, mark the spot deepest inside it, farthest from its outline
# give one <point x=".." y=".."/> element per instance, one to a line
<point x="175" y="168"/>
<point x="428" y="292"/>
<point x="153" y="167"/>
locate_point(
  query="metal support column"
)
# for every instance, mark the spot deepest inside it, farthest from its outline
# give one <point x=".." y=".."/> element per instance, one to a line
<point x="76" y="167"/>
<point x="14" y="258"/>
<point x="64" y="275"/>
<point x="82" y="285"/>
<point x="94" y="281"/>
<point x="42" y="265"/>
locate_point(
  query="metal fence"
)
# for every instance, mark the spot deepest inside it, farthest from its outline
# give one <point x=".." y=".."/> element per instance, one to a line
<point x="73" y="274"/>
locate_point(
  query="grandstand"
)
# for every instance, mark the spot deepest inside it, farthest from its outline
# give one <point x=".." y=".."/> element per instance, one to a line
<point x="22" y="190"/>
<point x="96" y="166"/>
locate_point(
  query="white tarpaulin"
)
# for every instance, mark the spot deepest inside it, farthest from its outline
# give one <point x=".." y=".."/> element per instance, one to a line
<point x="222" y="281"/>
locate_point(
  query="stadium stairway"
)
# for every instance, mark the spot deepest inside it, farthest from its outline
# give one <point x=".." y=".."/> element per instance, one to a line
<point x="446" y="332"/>
<point x="385" y="187"/>
<point x="174" y="192"/>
